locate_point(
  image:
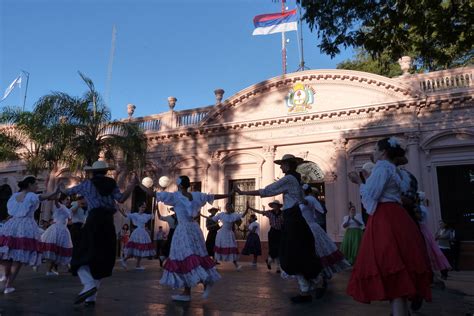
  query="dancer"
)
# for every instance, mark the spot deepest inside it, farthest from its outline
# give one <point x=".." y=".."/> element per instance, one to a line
<point x="437" y="259"/>
<point x="172" y="221"/>
<point x="20" y="238"/>
<point x="56" y="243"/>
<point x="297" y="253"/>
<point x="392" y="263"/>
<point x="124" y="236"/>
<point x="354" y="226"/>
<point x="212" y="229"/>
<point x="94" y="258"/>
<point x="275" y="218"/>
<point x="332" y="260"/>
<point x="78" y="218"/>
<point x="160" y="239"/>
<point x="226" y="245"/>
<point x="252" y="244"/>
<point x="188" y="263"/>
<point x="139" y="245"/>
<point x="444" y="236"/>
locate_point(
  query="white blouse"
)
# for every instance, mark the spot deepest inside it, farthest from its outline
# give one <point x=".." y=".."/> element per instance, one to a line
<point x="227" y="219"/>
<point x="289" y="186"/>
<point x="252" y="225"/>
<point x="185" y="209"/>
<point x="352" y="223"/>
<point x="383" y="185"/>
<point x="25" y="208"/>
<point x="139" y="220"/>
<point x="61" y="214"/>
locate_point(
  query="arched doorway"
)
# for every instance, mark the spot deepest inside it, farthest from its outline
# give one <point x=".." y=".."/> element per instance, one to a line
<point x="5" y="194"/>
<point x="312" y="174"/>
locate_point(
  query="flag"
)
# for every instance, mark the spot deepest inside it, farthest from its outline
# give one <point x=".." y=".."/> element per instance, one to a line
<point x="10" y="88"/>
<point x="275" y="23"/>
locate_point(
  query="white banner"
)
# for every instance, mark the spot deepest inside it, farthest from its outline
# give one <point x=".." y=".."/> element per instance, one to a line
<point x="10" y="88"/>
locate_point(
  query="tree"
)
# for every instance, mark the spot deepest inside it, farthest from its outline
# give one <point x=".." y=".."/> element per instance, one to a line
<point x="438" y="34"/>
<point x="364" y="62"/>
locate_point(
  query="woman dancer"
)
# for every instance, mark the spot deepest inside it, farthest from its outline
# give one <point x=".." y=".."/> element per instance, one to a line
<point x="275" y="218"/>
<point x="354" y="225"/>
<point x="188" y="263"/>
<point x="94" y="257"/>
<point x="124" y="236"/>
<point x="438" y="260"/>
<point x="20" y="238"/>
<point x="56" y="243"/>
<point x="226" y="245"/>
<point x="444" y="236"/>
<point x="252" y="244"/>
<point x="392" y="263"/>
<point x="332" y="260"/>
<point x="139" y="245"/>
<point x="212" y="229"/>
<point x="297" y="253"/>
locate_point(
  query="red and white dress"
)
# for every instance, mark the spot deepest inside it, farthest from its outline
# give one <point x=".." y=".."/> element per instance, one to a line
<point x="188" y="263"/>
<point x="139" y="244"/>
<point x="392" y="261"/>
<point x="56" y="243"/>
<point x="20" y="238"/>
<point x="225" y="248"/>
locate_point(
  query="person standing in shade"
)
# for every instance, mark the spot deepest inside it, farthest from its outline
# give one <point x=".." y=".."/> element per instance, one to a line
<point x="94" y="258"/>
<point x="78" y="218"/>
<point x="354" y="228"/>
<point x="275" y="218"/>
<point x="212" y="229"/>
<point x="443" y="236"/>
<point x="160" y="239"/>
<point x="172" y="221"/>
<point x="252" y="244"/>
<point x="297" y="251"/>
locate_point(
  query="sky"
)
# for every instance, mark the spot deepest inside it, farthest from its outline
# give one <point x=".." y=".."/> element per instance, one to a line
<point x="180" y="48"/>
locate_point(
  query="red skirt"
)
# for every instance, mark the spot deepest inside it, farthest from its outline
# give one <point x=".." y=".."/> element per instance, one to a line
<point x="392" y="261"/>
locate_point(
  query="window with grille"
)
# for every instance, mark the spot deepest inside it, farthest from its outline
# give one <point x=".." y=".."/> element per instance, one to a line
<point x="240" y="204"/>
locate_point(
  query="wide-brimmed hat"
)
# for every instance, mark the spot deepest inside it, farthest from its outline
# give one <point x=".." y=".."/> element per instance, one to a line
<point x="275" y="202"/>
<point x="289" y="157"/>
<point x="98" y="165"/>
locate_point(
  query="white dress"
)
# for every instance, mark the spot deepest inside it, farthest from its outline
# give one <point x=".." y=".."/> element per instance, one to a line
<point x="56" y="243"/>
<point x="20" y="238"/>
<point x="225" y="248"/>
<point x="139" y="244"/>
<point x="332" y="260"/>
<point x="188" y="263"/>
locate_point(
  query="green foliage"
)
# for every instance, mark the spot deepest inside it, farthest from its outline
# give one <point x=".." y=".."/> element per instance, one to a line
<point x="438" y="34"/>
<point x="364" y="62"/>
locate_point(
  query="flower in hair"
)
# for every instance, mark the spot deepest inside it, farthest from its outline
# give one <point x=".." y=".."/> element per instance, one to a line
<point x="393" y="142"/>
<point x="305" y="186"/>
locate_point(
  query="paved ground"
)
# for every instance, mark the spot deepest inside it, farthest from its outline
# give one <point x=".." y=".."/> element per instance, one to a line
<point x="254" y="291"/>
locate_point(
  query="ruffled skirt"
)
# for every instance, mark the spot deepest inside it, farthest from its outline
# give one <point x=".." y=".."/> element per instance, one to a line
<point x="392" y="261"/>
<point x="252" y="245"/>
<point x="20" y="240"/>
<point x="350" y="243"/>
<point x="438" y="260"/>
<point x="188" y="263"/>
<point x="139" y="244"/>
<point x="56" y="244"/>
<point x="226" y="246"/>
<point x="332" y="260"/>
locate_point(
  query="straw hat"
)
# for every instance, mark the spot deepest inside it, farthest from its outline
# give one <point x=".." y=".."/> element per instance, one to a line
<point x="275" y="202"/>
<point x="98" y="165"/>
<point x="289" y="157"/>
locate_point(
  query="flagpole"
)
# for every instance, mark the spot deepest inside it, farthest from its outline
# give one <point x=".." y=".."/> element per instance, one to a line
<point x="27" y="74"/>
<point x="302" y="66"/>
<point x="283" y="41"/>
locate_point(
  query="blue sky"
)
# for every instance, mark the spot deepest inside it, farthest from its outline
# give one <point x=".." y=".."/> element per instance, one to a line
<point x="181" y="48"/>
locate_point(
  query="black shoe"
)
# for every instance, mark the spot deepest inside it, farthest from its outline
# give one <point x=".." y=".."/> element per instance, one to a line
<point x="83" y="296"/>
<point x="89" y="304"/>
<point x="161" y="263"/>
<point x="416" y="304"/>
<point x="300" y="299"/>
<point x="269" y="266"/>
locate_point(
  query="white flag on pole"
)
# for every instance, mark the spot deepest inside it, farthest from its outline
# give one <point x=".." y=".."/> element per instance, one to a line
<point x="10" y="88"/>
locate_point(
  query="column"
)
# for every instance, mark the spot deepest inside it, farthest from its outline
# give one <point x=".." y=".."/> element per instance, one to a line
<point x="268" y="177"/>
<point x="213" y="174"/>
<point x="341" y="197"/>
<point x="413" y="156"/>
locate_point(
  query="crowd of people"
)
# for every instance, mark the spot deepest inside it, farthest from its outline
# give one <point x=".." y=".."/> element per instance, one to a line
<point x="388" y="244"/>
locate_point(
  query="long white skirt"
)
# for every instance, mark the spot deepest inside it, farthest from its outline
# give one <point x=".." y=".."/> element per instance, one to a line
<point x="139" y="244"/>
<point x="56" y="244"/>
<point x="188" y="263"/>
<point x="226" y="246"/>
<point x="20" y="241"/>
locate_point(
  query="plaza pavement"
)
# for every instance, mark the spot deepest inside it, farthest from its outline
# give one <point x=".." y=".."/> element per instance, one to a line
<point x="253" y="291"/>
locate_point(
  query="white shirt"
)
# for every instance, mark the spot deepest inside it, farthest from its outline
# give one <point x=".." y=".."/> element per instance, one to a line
<point x="289" y="186"/>
<point x="61" y="214"/>
<point x="253" y="225"/>
<point x="139" y="220"/>
<point x="383" y="185"/>
<point x="185" y="209"/>
<point x="309" y="210"/>
<point x="79" y="216"/>
<point x="424" y="214"/>
<point x="227" y="219"/>
<point x="352" y="223"/>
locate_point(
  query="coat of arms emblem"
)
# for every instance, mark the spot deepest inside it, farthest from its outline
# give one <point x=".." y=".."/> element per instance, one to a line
<point x="300" y="98"/>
